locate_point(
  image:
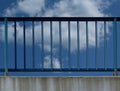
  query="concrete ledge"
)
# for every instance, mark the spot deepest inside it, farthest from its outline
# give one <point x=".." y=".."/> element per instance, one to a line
<point x="59" y="83"/>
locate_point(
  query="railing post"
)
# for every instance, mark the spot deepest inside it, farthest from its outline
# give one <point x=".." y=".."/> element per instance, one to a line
<point x="60" y="43"/>
<point x="105" y="45"/>
<point x="115" y="47"/>
<point x="96" y="45"/>
<point x="51" y="44"/>
<point x="78" y="45"/>
<point x="33" y="45"/>
<point x="69" y="45"/>
<point x="87" y="46"/>
<point x="6" y="47"/>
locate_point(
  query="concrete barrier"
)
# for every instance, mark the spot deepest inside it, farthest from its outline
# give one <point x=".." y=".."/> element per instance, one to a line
<point x="59" y="83"/>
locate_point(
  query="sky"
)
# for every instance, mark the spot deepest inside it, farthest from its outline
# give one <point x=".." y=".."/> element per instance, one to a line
<point x="59" y="8"/>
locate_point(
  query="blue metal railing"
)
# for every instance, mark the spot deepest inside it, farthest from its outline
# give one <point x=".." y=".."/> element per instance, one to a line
<point x="60" y="21"/>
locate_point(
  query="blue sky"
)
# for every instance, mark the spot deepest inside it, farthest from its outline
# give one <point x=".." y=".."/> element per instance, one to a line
<point x="111" y="6"/>
<point x="59" y="8"/>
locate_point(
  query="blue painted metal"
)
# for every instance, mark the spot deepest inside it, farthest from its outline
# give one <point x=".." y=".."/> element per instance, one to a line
<point x="64" y="70"/>
<point x="96" y="45"/>
<point x="6" y="47"/>
<point x="60" y="44"/>
<point x="15" y="44"/>
<point x="69" y="46"/>
<point x="105" y="44"/>
<point x="42" y="44"/>
<point x="60" y="18"/>
<point x="87" y="50"/>
<point x="78" y="45"/>
<point x="61" y="41"/>
<point x="24" y="44"/>
<point x="51" y="45"/>
<point x="33" y="45"/>
<point x="115" y="44"/>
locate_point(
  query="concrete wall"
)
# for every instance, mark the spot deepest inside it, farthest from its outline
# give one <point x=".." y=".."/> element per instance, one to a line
<point x="59" y="83"/>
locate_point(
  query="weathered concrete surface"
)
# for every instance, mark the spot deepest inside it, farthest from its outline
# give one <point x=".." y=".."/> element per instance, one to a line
<point x="59" y="83"/>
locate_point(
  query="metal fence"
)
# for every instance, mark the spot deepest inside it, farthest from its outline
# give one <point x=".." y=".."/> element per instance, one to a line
<point x="73" y="64"/>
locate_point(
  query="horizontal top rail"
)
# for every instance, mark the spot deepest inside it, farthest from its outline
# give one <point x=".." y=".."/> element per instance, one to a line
<point x="60" y="18"/>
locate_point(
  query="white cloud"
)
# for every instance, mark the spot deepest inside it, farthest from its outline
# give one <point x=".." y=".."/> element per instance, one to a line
<point x="47" y="62"/>
<point x="10" y="12"/>
<point x="31" y="7"/>
<point x="90" y="8"/>
<point x="23" y="7"/>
